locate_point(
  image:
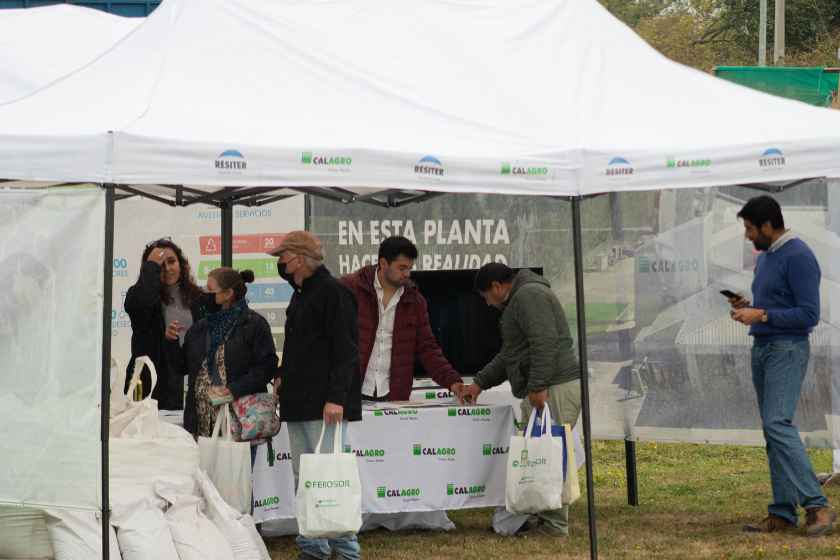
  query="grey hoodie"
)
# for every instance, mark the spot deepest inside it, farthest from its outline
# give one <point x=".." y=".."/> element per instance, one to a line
<point x="537" y="349"/>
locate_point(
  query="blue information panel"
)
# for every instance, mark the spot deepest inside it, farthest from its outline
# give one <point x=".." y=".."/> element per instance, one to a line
<point x="272" y="292"/>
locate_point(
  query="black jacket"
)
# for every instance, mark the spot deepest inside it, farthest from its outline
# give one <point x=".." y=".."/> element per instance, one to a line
<point x="250" y="359"/>
<point x="320" y="351"/>
<point x="148" y="337"/>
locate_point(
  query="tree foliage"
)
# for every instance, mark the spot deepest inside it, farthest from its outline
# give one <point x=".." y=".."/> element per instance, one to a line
<point x="707" y="33"/>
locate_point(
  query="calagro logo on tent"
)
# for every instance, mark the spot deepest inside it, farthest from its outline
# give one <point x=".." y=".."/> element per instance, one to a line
<point x="619" y="167"/>
<point x="697" y="164"/>
<point x="434" y="395"/>
<point x="385" y="492"/>
<point x="331" y="162"/>
<point x="231" y="161"/>
<point x="429" y="166"/>
<point x="524" y="171"/>
<point x="772" y="158"/>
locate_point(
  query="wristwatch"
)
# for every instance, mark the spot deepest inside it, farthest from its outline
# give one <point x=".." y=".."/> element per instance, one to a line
<point x="764" y="316"/>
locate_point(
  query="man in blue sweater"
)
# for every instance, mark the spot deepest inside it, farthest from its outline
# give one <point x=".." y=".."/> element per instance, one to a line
<point x="785" y="308"/>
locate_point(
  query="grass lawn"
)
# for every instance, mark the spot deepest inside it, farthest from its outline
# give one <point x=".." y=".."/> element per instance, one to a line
<point x="599" y="316"/>
<point x="694" y="500"/>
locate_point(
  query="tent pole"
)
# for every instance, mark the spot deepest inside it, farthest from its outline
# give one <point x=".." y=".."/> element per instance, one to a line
<point x="584" y="374"/>
<point x="227" y="232"/>
<point x="632" y="477"/>
<point x="105" y="398"/>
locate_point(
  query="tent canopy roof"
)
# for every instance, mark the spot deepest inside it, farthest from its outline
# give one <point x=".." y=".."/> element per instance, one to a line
<point x="552" y="97"/>
<point x="76" y="35"/>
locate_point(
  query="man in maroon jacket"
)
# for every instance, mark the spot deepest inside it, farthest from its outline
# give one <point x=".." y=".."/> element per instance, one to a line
<point x="394" y="327"/>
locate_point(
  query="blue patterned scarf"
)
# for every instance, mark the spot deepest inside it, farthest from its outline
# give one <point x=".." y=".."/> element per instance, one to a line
<point x="219" y="325"/>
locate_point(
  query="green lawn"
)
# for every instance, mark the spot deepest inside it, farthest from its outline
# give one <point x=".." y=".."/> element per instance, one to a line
<point x="599" y="316"/>
<point x="694" y="500"/>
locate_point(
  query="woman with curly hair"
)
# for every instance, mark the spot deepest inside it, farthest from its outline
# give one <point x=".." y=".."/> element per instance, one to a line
<point x="163" y="304"/>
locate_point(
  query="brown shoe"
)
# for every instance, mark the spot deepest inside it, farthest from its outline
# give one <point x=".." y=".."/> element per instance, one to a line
<point x="770" y="524"/>
<point x="819" y="521"/>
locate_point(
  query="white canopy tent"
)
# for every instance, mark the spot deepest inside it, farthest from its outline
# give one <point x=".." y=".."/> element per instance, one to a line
<point x="44" y="44"/>
<point x="534" y="97"/>
<point x="551" y="97"/>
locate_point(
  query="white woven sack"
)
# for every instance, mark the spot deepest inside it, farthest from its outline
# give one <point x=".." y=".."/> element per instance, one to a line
<point x="23" y="533"/>
<point x="238" y="529"/>
<point x="143" y="533"/>
<point x="77" y="535"/>
<point x="194" y="535"/>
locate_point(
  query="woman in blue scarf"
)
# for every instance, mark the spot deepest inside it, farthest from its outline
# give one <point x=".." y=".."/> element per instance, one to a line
<point x="231" y="351"/>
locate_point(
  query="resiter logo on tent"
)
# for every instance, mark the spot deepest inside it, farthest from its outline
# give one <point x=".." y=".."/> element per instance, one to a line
<point x="429" y="166"/>
<point x="619" y="167"/>
<point x="772" y="158"/>
<point x="231" y="160"/>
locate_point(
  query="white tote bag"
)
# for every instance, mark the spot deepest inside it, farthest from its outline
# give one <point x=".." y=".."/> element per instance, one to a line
<point x="329" y="495"/>
<point x="227" y="463"/>
<point x="130" y="418"/>
<point x="535" y="469"/>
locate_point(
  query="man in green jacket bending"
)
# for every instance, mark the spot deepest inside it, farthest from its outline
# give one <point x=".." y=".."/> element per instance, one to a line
<point x="537" y="357"/>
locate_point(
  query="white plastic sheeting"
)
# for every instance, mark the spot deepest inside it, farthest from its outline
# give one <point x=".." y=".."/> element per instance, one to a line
<point x="549" y="97"/>
<point x="41" y="45"/>
<point x="51" y="259"/>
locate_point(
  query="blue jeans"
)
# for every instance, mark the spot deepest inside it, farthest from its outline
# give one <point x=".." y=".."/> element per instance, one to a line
<point x="778" y="368"/>
<point x="303" y="437"/>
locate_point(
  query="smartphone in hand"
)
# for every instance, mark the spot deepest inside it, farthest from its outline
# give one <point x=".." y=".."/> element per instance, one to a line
<point x="730" y="294"/>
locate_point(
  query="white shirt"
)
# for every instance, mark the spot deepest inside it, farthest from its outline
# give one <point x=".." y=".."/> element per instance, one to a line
<point x="378" y="374"/>
<point x="784" y="238"/>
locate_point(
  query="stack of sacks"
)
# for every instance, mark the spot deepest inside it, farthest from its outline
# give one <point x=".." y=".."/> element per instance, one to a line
<point x="143" y="450"/>
<point x="23" y="534"/>
<point x="164" y="507"/>
<point x="188" y="527"/>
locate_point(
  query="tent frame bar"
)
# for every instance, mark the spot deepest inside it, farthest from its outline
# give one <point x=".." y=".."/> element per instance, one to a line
<point x="107" y="295"/>
<point x="577" y="243"/>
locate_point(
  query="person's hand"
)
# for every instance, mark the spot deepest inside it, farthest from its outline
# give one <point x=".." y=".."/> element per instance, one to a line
<point x="538" y="398"/>
<point x="156" y="256"/>
<point x="469" y="394"/>
<point x="333" y="413"/>
<point x="739" y="302"/>
<point x="457" y="389"/>
<point x="172" y="330"/>
<point x="748" y="315"/>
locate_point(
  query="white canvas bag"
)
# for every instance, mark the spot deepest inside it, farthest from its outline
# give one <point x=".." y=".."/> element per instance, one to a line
<point x="329" y="495"/>
<point x="227" y="463"/>
<point x="130" y="418"/>
<point x="535" y="469"/>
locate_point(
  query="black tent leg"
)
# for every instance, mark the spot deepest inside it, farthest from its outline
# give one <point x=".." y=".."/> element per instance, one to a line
<point x="632" y="478"/>
<point x="227" y="232"/>
<point x="107" y="279"/>
<point x="584" y="374"/>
